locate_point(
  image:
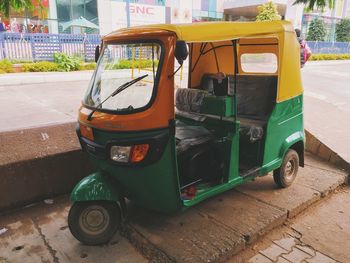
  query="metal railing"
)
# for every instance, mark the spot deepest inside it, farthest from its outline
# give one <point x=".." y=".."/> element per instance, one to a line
<point x="318" y="47"/>
<point x="37" y="47"/>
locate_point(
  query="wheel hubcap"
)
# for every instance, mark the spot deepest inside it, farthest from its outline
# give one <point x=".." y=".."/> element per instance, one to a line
<point x="94" y="220"/>
<point x="289" y="170"/>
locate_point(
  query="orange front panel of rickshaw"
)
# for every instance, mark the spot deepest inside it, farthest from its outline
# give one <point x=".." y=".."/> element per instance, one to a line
<point x="160" y="112"/>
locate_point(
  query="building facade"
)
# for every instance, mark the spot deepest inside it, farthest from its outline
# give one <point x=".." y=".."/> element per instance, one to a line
<point x="109" y="15"/>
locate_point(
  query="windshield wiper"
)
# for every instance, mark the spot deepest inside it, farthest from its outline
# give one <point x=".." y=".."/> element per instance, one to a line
<point x="117" y="91"/>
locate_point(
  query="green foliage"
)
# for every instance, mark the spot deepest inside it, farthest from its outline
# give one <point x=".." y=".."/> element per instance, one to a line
<point x="66" y="63"/>
<point x="42" y="66"/>
<point x="6" y="66"/>
<point x="88" y="66"/>
<point x="317" y="30"/>
<point x="126" y="64"/>
<point x="17" y="61"/>
<point x="17" y="5"/>
<point x="312" y="4"/>
<point x="330" y="57"/>
<point x="268" y="12"/>
<point x="342" y="30"/>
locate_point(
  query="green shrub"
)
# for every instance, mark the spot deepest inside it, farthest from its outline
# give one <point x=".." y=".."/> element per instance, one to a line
<point x="317" y="30"/>
<point x="16" y="61"/>
<point x="127" y="64"/>
<point x="316" y="57"/>
<point x="88" y="66"/>
<point x="66" y="63"/>
<point x="2" y="72"/>
<point x="342" y="30"/>
<point x="268" y="12"/>
<point x="6" y="66"/>
<point x="42" y="66"/>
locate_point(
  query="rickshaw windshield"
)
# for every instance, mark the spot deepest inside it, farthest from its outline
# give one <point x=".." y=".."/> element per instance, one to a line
<point x="119" y="64"/>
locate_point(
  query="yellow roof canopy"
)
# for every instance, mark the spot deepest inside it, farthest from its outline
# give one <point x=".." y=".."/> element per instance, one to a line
<point x="289" y="81"/>
<point x="215" y="31"/>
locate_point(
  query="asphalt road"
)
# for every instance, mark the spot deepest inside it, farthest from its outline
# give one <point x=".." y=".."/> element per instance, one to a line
<point x="327" y="103"/>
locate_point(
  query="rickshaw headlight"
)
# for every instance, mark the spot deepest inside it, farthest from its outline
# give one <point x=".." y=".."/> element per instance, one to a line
<point x="120" y="153"/>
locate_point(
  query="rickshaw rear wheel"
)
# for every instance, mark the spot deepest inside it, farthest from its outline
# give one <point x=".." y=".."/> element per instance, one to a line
<point x="286" y="174"/>
<point x="94" y="222"/>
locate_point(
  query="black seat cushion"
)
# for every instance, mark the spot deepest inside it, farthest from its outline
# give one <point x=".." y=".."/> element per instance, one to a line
<point x="189" y="100"/>
<point x="189" y="136"/>
<point x="251" y="130"/>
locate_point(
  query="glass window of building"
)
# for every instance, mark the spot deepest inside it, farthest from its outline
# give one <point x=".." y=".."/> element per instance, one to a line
<point x="70" y="10"/>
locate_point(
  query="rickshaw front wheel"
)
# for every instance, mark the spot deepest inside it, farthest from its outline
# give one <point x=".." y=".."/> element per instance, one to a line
<point x="286" y="174"/>
<point x="94" y="222"/>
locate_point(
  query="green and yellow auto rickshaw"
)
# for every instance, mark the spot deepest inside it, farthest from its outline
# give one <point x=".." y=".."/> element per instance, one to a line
<point x="175" y="114"/>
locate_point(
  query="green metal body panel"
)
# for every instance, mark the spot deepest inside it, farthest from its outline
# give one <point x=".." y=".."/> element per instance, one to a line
<point x="156" y="186"/>
<point x="219" y="106"/>
<point x="96" y="186"/>
<point x="153" y="186"/>
<point x="232" y="179"/>
<point x="284" y="128"/>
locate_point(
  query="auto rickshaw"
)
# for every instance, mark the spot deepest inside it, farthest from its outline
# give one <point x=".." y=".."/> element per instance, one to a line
<point x="165" y="144"/>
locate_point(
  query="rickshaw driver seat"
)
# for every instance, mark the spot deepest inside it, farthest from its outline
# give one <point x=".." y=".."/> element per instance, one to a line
<point x="188" y="136"/>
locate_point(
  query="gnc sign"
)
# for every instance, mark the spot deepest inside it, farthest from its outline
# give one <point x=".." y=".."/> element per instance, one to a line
<point x="139" y="14"/>
<point x="141" y="10"/>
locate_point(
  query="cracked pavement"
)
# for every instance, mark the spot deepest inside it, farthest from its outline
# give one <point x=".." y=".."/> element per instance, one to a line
<point x="39" y="233"/>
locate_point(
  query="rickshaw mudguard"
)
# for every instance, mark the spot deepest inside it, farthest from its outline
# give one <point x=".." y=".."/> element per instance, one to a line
<point x="96" y="186"/>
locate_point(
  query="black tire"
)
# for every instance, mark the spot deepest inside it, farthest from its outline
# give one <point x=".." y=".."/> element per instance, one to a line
<point x="286" y="174"/>
<point x="94" y="222"/>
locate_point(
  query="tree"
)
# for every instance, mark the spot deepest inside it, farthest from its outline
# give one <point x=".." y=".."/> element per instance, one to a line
<point x="17" y="5"/>
<point x="342" y="30"/>
<point x="317" y="30"/>
<point x="312" y="4"/>
<point x="268" y="12"/>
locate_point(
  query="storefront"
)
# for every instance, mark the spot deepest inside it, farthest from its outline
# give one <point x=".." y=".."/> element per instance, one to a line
<point x="29" y="21"/>
<point x="104" y="16"/>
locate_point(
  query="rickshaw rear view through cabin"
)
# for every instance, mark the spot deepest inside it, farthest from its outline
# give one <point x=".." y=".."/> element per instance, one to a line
<point x="167" y="148"/>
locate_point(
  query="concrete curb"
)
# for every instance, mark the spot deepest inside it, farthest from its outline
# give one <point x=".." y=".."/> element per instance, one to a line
<point x="39" y="163"/>
<point x="43" y="77"/>
<point x="318" y="148"/>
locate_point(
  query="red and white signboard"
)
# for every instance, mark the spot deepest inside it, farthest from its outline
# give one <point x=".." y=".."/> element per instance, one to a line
<point x="139" y="14"/>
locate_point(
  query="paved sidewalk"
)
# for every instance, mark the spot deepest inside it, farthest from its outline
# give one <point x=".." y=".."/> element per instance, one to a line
<point x="320" y="235"/>
<point x="40" y="234"/>
<point x="212" y="231"/>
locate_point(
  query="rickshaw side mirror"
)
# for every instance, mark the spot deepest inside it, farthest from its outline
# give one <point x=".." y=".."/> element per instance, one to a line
<point x="97" y="53"/>
<point x="181" y="51"/>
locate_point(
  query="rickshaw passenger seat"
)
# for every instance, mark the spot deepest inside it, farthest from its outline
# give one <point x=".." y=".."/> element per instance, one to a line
<point x="189" y="100"/>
